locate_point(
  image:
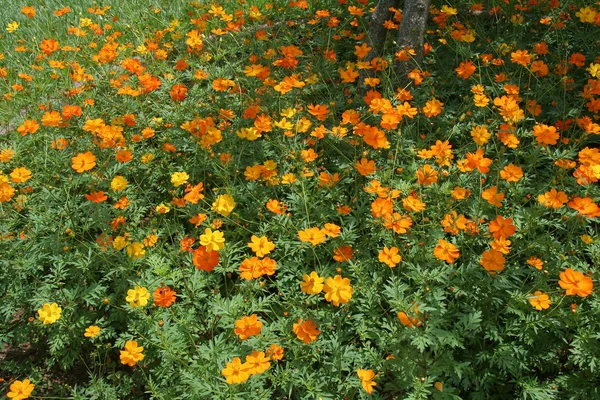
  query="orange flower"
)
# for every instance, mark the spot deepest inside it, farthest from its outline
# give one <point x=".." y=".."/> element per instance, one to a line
<point x="319" y="111"/>
<point x="235" y="372"/>
<point x="337" y="290"/>
<point x="511" y="173"/>
<point x="545" y="134"/>
<point x="331" y="230"/>
<point x="164" y="296"/>
<point x="432" y="108"/>
<point x="492" y="196"/>
<point x="124" y="156"/>
<point x="553" y="199"/>
<point x="521" y="57"/>
<point x="492" y="261"/>
<point x="83" y="162"/>
<point x="96" y="197"/>
<point x="178" y="92"/>
<point x="502" y="228"/>
<point x="275" y="352"/>
<point x="446" y="251"/>
<point x="381" y="207"/>
<point x="366" y="379"/>
<point x="465" y="69"/>
<point x="29" y="126"/>
<point x="306" y="331"/>
<point x="585" y="206"/>
<point x="313" y="236"/>
<point x="204" y="259"/>
<point x="132" y="353"/>
<point x="539" y="300"/>
<point x="261" y="246"/>
<point x="343" y="253"/>
<point x="535" y="262"/>
<point x="365" y="167"/>
<point x="20" y="175"/>
<point x="575" y="283"/>
<point x="248" y="326"/>
<point x="390" y="256"/>
<point x="426" y="175"/>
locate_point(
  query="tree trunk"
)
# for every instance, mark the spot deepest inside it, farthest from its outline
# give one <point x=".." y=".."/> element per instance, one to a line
<point x="377" y="32"/>
<point x="410" y="35"/>
<point x="376" y="36"/>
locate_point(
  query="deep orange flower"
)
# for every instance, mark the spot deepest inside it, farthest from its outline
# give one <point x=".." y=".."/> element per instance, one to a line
<point x="205" y="260"/>
<point x="96" y="197"/>
<point x="575" y="283"/>
<point x="164" y="296"/>
<point x="492" y="261"/>
<point x="465" y="69"/>
<point x="502" y="227"/>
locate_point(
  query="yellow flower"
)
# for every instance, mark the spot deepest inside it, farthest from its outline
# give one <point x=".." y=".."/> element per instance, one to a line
<point x="132" y="353"/>
<point x="587" y="239"/>
<point x="135" y="250"/>
<point x="235" y="372"/>
<point x="118" y="183"/>
<point x="162" y="208"/>
<point x="20" y="390"/>
<point x="337" y="290"/>
<point x="146" y="158"/>
<point x="594" y="70"/>
<point x="179" y="178"/>
<point x="223" y="205"/>
<point x="12" y="26"/>
<point x="120" y="242"/>
<point x="92" y="331"/>
<point x="539" y="300"/>
<point x="313" y="283"/>
<point x="261" y="246"/>
<point x="214" y="241"/>
<point x="49" y="313"/>
<point x="366" y="379"/>
<point x="138" y="296"/>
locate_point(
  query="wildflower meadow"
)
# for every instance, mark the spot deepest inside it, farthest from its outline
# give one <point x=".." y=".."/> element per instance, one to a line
<point x="241" y="200"/>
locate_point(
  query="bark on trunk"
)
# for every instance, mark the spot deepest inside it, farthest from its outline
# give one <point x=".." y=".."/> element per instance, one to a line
<point x="410" y="35"/>
<point x="377" y="32"/>
<point x="376" y="36"/>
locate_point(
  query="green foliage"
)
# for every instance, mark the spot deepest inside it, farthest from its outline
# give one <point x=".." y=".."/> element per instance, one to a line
<point x="249" y="130"/>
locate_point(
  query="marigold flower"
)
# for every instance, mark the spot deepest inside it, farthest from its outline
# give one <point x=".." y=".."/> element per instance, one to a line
<point x="337" y="290"/>
<point x="366" y="379"/>
<point x="49" y="313"/>
<point x="257" y="362"/>
<point x="92" y="331"/>
<point x="135" y="250"/>
<point x="535" y="262"/>
<point x="213" y="240"/>
<point x="446" y="251"/>
<point x="492" y="261"/>
<point x="223" y="205"/>
<point x="545" y="134"/>
<point x="275" y="352"/>
<point x="390" y="256"/>
<point x="261" y="246"/>
<point x="575" y="283"/>
<point x="313" y="236"/>
<point x="539" y="300"/>
<point x="502" y="227"/>
<point x="312" y="284"/>
<point x="96" y="197"/>
<point x="164" y="296"/>
<point x="465" y="69"/>
<point x="553" y="199"/>
<point x="204" y="259"/>
<point x="306" y="331"/>
<point x="20" y="390"/>
<point x="20" y="175"/>
<point x="83" y="162"/>
<point x="132" y="353"/>
<point x="179" y="178"/>
<point x="247" y="326"/>
<point x="138" y="296"/>
<point x="235" y="372"/>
